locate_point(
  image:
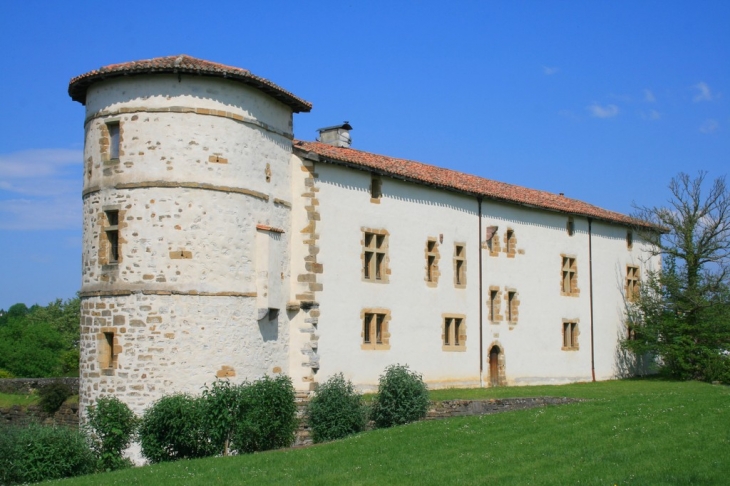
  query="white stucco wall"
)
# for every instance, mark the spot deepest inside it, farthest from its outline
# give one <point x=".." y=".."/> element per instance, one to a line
<point x="532" y="346"/>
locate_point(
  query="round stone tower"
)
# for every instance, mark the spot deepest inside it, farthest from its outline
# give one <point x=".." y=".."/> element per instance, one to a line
<point x="186" y="204"/>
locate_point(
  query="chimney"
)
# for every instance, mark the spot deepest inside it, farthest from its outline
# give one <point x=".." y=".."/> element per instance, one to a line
<point x="337" y="135"/>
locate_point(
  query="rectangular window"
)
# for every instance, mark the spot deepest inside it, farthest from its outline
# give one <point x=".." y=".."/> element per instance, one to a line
<point x="459" y="265"/>
<point x="632" y="283"/>
<point x="113" y="129"/>
<point x="570" y="336"/>
<point x="569" y="281"/>
<point x="511" y="306"/>
<point x="110" y="357"/>
<point x="493" y="305"/>
<point x="510" y="243"/>
<point x="112" y="235"/>
<point x="376" y="185"/>
<point x="629" y="240"/>
<point x="453" y="332"/>
<point x="374" y="261"/>
<point x="432" y="257"/>
<point x="375" y="329"/>
<point x="570" y="226"/>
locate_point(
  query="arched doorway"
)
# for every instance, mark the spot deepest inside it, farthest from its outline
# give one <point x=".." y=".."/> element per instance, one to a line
<point x="494" y="355"/>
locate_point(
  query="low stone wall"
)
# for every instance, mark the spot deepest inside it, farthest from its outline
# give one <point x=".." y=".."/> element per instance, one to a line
<point x="67" y="415"/>
<point x="460" y="408"/>
<point x="450" y="408"/>
<point x="27" y="385"/>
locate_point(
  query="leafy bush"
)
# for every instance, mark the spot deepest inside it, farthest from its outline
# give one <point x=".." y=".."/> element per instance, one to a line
<point x="53" y="395"/>
<point x="267" y="415"/>
<point x="38" y="453"/>
<point x="5" y="374"/>
<point x="336" y="410"/>
<point x="402" y="397"/>
<point x="111" y="426"/>
<point x="222" y="411"/>
<point x="173" y="428"/>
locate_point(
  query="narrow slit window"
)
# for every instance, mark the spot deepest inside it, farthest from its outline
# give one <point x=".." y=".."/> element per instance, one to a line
<point x="510" y="306"/>
<point x="447" y="331"/>
<point x="379" y="328"/>
<point x="493" y="305"/>
<point x="113" y="129"/>
<point x="629" y="240"/>
<point x="570" y="226"/>
<point x="366" y="328"/>
<point x="457" y="330"/>
<point x="109" y="349"/>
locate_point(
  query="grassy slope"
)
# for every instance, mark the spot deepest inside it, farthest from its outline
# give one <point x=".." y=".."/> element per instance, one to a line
<point x="631" y="432"/>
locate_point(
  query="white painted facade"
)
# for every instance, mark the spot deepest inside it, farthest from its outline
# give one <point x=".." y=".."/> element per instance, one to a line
<point x="241" y="255"/>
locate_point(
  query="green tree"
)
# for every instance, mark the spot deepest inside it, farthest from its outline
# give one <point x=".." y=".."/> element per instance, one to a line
<point x="682" y="315"/>
<point x="30" y="350"/>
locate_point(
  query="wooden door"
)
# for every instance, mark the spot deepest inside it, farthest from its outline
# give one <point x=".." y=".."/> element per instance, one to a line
<point x="494" y="366"/>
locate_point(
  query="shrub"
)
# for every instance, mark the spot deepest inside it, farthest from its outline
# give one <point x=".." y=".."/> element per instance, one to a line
<point x="53" y="395"/>
<point x="336" y="410"/>
<point x="267" y="415"/>
<point x="111" y="426"/>
<point x="173" y="428"/>
<point x="38" y="453"/>
<point x="402" y="397"/>
<point x="5" y="374"/>
<point x="222" y="411"/>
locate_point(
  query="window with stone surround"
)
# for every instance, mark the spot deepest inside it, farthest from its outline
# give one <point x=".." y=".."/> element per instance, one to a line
<point x="432" y="260"/>
<point x="376" y="188"/>
<point x="375" y="329"/>
<point x="569" y="277"/>
<point x="632" y="283"/>
<point x="107" y="352"/>
<point x="512" y="306"/>
<point x="113" y="129"/>
<point x="453" y="332"/>
<point x="460" y="265"/>
<point x="494" y="305"/>
<point x="510" y="243"/>
<point x="375" y="256"/>
<point x="492" y="239"/>
<point x="570" y="336"/>
<point x="111" y="232"/>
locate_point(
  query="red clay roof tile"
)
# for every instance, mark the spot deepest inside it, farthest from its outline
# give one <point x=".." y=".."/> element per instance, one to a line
<point x="187" y="65"/>
<point x="460" y="182"/>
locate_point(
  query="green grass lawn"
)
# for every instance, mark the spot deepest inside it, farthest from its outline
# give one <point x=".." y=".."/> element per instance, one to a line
<point x="629" y="432"/>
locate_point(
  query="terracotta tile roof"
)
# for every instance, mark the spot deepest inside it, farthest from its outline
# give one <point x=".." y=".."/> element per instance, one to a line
<point x="187" y="65"/>
<point x="460" y="182"/>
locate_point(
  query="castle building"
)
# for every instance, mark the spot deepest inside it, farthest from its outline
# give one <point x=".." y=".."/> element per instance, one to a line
<point x="215" y="245"/>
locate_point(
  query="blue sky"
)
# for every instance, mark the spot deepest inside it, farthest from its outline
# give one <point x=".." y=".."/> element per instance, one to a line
<point x="604" y="101"/>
